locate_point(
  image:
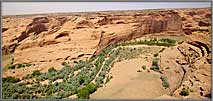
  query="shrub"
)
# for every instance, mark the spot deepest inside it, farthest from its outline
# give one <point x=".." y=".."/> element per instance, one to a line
<point x="28" y="64"/>
<point x="86" y="91"/>
<point x="99" y="80"/>
<point x="76" y="62"/>
<point x="12" y="61"/>
<point x="91" y="87"/>
<point x="28" y="76"/>
<point x="102" y="73"/>
<point x="143" y="67"/>
<point x="19" y="65"/>
<point x="42" y="77"/>
<point x="36" y="72"/>
<point x="83" y="94"/>
<point x="65" y="64"/>
<point x="60" y="76"/>
<point x="164" y="82"/>
<point x="155" y="55"/>
<point x="10" y="66"/>
<point x="81" y="80"/>
<point x="155" y="63"/>
<point x="167" y="67"/>
<point x="51" y="70"/>
<point x="184" y="92"/>
<point x="138" y="70"/>
<point x="167" y="40"/>
<point x="162" y="49"/>
<point x="10" y="79"/>
<point x="156" y="68"/>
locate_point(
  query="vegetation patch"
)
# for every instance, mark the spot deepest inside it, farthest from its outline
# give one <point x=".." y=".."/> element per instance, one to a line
<point x="144" y="67"/>
<point x="86" y="91"/>
<point x="184" y="92"/>
<point x="155" y="66"/>
<point x="36" y="72"/>
<point x="164" y="82"/>
<point x="160" y="42"/>
<point x="12" y="66"/>
<point x="10" y="79"/>
<point x="155" y="55"/>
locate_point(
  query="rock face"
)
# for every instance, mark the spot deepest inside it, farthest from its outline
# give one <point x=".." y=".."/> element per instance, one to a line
<point x="165" y="21"/>
<point x="26" y="26"/>
<point x="195" y="71"/>
<point x="84" y="24"/>
<point x="198" y="20"/>
<point x="191" y="59"/>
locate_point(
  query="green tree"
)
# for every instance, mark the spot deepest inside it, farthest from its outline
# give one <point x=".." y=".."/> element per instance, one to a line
<point x="184" y="92"/>
<point x="83" y="94"/>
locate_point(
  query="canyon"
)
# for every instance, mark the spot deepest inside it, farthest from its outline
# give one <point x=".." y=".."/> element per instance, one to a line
<point x="48" y="40"/>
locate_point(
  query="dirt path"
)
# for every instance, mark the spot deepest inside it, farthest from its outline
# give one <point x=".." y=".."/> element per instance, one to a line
<point x="127" y="83"/>
<point x="93" y="81"/>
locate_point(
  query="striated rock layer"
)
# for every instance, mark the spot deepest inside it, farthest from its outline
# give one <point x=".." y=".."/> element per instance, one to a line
<point x="153" y="22"/>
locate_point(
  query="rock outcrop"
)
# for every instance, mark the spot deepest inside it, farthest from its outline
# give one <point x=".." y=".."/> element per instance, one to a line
<point x="198" y="20"/>
<point x="28" y="26"/>
<point x="147" y="24"/>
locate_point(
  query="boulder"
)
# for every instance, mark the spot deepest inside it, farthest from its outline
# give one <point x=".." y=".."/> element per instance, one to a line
<point x="4" y="29"/>
<point x="40" y="20"/>
<point x="36" y="28"/>
<point x="204" y="23"/>
<point x="104" y="21"/>
<point x="84" y="24"/>
<point x="59" y="21"/>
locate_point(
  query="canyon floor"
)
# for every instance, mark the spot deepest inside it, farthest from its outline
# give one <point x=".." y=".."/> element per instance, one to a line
<point x="135" y="54"/>
<point x="127" y="83"/>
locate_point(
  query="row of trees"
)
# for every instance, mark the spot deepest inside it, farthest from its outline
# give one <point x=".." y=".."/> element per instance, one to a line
<point x="160" y="42"/>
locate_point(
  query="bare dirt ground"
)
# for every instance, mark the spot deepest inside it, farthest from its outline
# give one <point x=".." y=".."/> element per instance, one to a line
<point x="6" y="59"/>
<point x="127" y="83"/>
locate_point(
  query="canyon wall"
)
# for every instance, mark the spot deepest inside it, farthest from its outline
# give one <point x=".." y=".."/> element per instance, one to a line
<point x="50" y="39"/>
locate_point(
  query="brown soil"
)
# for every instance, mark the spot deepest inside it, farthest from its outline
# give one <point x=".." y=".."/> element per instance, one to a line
<point x="127" y="83"/>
